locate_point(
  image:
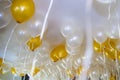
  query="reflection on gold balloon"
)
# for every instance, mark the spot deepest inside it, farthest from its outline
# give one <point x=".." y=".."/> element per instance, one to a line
<point x="58" y="53"/>
<point x="22" y="10"/>
<point x="34" y="43"/>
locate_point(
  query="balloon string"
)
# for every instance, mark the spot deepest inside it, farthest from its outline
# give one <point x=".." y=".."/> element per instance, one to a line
<point x="42" y="32"/>
<point x="5" y="50"/>
<point x="109" y="12"/>
<point x="89" y="41"/>
<point x="46" y="18"/>
<point x="33" y="67"/>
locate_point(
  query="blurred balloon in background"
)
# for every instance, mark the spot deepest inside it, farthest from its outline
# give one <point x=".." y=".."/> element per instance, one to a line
<point x="22" y="33"/>
<point x="5" y="16"/>
<point x="34" y="26"/>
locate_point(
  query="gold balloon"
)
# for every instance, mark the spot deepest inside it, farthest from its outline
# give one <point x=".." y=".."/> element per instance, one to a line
<point x="110" y="49"/>
<point x="111" y="43"/>
<point x="13" y="70"/>
<point x="79" y="70"/>
<point x="112" y="77"/>
<point x="70" y="73"/>
<point x="22" y="74"/>
<point x="110" y="53"/>
<point x="36" y="70"/>
<point x="34" y="43"/>
<point x="1" y="71"/>
<point x="1" y="61"/>
<point x="58" y="53"/>
<point x="3" y="67"/>
<point x="22" y="10"/>
<point x="98" y="47"/>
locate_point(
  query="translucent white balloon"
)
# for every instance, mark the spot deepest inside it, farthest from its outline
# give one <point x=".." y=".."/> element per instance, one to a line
<point x="105" y="76"/>
<point x="21" y="33"/>
<point x="106" y="8"/>
<point x="73" y="51"/>
<point x="77" y="62"/>
<point x="100" y="37"/>
<point x="4" y="17"/>
<point x="69" y="27"/>
<point x="5" y="3"/>
<point x="113" y="32"/>
<point x="95" y="72"/>
<point x="44" y="49"/>
<point x="67" y="31"/>
<point x="94" y="76"/>
<point x="74" y="41"/>
<point x="34" y="26"/>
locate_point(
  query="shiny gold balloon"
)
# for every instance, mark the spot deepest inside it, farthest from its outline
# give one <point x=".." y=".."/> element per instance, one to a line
<point x="110" y="53"/>
<point x="110" y="49"/>
<point x="98" y="47"/>
<point x="22" y="10"/>
<point x="58" y="53"/>
<point x="34" y="43"/>
<point x="109" y="43"/>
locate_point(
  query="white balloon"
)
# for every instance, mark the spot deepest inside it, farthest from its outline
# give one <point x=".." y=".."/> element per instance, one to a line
<point x="69" y="27"/>
<point x="4" y="18"/>
<point x="67" y="31"/>
<point x="100" y="37"/>
<point x="5" y="3"/>
<point x="113" y="32"/>
<point x="21" y="33"/>
<point x="74" y="41"/>
<point x="35" y="26"/>
<point x="72" y="51"/>
<point x="94" y="76"/>
<point x="78" y="62"/>
<point x="44" y="49"/>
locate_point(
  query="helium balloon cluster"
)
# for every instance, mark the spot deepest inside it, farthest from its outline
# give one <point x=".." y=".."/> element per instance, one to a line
<point x="60" y="53"/>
